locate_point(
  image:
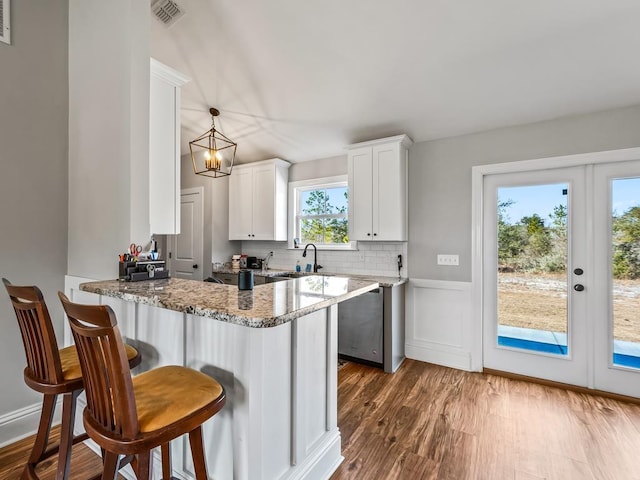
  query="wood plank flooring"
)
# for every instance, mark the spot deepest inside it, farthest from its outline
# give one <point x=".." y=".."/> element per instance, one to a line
<point x="84" y="463"/>
<point x="431" y="422"/>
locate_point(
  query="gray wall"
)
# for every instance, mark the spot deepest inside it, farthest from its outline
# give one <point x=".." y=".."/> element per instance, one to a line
<point x="325" y="167"/>
<point x="440" y="177"/>
<point x="33" y="184"/>
<point x="108" y="133"/>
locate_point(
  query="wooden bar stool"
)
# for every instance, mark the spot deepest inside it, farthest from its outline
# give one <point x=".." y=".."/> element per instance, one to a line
<point x="129" y="416"/>
<point x="52" y="372"/>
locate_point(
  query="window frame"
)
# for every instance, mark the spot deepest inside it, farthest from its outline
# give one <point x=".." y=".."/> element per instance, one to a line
<point x="5" y="27"/>
<point x="295" y="189"/>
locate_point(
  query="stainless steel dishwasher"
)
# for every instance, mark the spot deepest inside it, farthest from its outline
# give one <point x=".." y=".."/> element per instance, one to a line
<point x="360" y="328"/>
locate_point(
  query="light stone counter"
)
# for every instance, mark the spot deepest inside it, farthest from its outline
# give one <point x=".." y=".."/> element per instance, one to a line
<point x="267" y="305"/>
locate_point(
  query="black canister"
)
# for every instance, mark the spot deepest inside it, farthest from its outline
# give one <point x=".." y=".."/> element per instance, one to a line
<point x="245" y="280"/>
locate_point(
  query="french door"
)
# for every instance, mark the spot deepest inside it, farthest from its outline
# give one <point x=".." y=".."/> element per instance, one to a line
<point x="561" y="275"/>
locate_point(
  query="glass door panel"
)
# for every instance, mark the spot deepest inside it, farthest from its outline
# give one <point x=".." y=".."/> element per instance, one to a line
<point x="625" y="271"/>
<point x="532" y="267"/>
<point x="534" y="304"/>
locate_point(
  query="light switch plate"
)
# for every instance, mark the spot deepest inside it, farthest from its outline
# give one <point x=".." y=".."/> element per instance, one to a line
<point x="448" y="260"/>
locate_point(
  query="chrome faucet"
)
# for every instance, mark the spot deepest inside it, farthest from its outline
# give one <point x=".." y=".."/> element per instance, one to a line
<point x="316" y="267"/>
<point x="265" y="261"/>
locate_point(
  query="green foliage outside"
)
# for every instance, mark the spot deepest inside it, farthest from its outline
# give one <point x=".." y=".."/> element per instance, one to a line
<point x="535" y="246"/>
<point x="323" y="229"/>
<point x="626" y="244"/>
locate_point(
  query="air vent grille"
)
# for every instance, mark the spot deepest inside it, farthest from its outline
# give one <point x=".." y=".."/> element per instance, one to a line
<point x="4" y="21"/>
<point x="167" y="11"/>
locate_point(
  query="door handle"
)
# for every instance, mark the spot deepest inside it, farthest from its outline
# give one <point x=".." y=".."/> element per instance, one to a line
<point x="578" y="287"/>
<point x="195" y="265"/>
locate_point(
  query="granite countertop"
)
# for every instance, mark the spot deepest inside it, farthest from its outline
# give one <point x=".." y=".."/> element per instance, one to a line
<point x="383" y="281"/>
<point x="267" y="305"/>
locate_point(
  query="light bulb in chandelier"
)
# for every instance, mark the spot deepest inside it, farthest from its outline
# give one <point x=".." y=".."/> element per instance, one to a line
<point x="212" y="159"/>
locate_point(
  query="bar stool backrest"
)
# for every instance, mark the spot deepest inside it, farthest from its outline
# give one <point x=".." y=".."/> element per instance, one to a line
<point x="38" y="336"/>
<point x="111" y="403"/>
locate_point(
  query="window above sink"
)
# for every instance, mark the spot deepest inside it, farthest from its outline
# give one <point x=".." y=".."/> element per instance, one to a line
<point x="319" y="213"/>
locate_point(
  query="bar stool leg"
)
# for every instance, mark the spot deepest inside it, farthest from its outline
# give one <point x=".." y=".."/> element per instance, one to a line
<point x="42" y="437"/>
<point x="197" y="452"/>
<point x="144" y="466"/>
<point x="66" y="434"/>
<point x="166" y="461"/>
<point x="111" y="466"/>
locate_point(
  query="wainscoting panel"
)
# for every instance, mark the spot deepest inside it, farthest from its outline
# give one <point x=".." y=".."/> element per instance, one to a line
<point x="439" y="323"/>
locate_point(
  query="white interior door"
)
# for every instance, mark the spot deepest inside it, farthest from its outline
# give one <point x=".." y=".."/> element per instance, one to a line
<point x="535" y="274"/>
<point x="185" y="249"/>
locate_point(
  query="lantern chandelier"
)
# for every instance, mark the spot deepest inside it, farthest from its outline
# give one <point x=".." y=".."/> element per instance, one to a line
<point x="213" y="153"/>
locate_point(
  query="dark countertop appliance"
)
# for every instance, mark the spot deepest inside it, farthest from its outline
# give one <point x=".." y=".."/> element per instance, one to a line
<point x="254" y="263"/>
<point x="142" y="270"/>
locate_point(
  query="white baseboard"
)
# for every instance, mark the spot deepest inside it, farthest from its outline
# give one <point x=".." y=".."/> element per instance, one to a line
<point x="22" y="423"/>
<point x="434" y="353"/>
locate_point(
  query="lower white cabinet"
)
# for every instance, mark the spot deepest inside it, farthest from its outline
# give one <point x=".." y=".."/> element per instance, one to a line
<point x="258" y="201"/>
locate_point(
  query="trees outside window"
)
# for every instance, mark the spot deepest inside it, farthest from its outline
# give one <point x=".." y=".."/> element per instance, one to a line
<point x="322" y="214"/>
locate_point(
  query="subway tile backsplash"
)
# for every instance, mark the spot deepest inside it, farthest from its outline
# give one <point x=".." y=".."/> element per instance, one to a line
<point x="374" y="258"/>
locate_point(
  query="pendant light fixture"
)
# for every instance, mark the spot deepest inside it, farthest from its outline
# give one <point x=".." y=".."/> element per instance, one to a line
<point x="212" y="153"/>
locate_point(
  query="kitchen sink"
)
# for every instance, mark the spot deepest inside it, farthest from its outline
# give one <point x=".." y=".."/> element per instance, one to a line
<point x="293" y="274"/>
<point x="289" y="275"/>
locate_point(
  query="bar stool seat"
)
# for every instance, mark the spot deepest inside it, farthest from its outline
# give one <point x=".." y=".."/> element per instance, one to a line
<point x="166" y="395"/>
<point x="71" y="364"/>
<point x="52" y="372"/>
<point x="129" y="416"/>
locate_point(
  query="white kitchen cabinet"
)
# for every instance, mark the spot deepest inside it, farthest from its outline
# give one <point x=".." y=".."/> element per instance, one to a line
<point x="378" y="189"/>
<point x="258" y="201"/>
<point x="164" y="148"/>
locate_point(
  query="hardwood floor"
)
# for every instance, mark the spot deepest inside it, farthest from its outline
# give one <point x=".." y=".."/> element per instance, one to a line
<point x="84" y="463"/>
<point x="431" y="422"/>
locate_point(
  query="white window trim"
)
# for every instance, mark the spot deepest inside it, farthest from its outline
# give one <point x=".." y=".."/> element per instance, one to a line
<point x="293" y="208"/>
<point x="5" y="32"/>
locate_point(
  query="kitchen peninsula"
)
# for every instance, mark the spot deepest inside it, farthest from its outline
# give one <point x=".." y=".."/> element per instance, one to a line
<point x="274" y="348"/>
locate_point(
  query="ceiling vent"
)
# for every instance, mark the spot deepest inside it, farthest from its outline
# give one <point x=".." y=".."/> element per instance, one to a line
<point x="167" y="11"/>
<point x="4" y="21"/>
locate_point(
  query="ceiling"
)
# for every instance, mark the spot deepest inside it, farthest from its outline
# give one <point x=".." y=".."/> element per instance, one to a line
<point x="301" y="79"/>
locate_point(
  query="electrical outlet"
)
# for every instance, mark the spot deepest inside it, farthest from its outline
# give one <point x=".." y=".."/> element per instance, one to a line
<point x="448" y="260"/>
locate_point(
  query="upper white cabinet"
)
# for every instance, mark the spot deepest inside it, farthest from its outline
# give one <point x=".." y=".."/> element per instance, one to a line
<point x="378" y="189"/>
<point x="164" y="148"/>
<point x="258" y="201"/>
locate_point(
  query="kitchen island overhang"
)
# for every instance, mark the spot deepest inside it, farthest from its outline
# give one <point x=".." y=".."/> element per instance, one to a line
<point x="274" y="349"/>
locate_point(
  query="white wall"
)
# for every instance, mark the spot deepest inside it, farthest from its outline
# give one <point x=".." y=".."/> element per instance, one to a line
<point x="33" y="183"/>
<point x="108" y="133"/>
